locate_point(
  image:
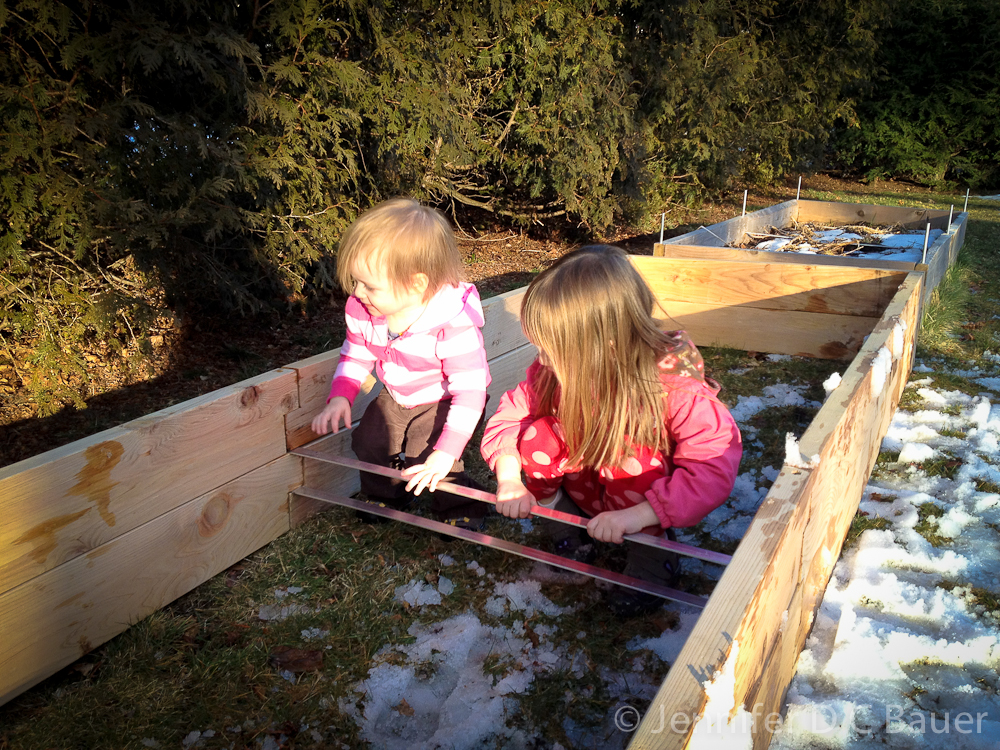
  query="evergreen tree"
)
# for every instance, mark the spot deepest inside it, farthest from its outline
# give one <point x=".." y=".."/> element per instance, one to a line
<point x="933" y="112"/>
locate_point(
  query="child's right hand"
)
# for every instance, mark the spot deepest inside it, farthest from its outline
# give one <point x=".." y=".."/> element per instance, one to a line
<point x="337" y="411"/>
<point x="513" y="499"/>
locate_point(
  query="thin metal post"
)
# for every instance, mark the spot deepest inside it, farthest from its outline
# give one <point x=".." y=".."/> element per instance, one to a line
<point x="950" y="214"/>
<point x="797" y="192"/>
<point x="745" y="202"/>
<point x="663" y="218"/>
<point x="966" y="200"/>
<point x="927" y="236"/>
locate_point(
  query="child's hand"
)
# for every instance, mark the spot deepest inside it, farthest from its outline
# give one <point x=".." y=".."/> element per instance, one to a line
<point x="513" y="499"/>
<point x="613" y="525"/>
<point x="429" y="473"/>
<point x="337" y="411"/>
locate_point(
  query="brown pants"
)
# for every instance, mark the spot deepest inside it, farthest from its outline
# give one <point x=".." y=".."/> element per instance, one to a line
<point x="386" y="430"/>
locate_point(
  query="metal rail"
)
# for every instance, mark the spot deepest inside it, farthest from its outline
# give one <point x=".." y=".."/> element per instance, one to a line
<point x="501" y="544"/>
<point x="541" y="512"/>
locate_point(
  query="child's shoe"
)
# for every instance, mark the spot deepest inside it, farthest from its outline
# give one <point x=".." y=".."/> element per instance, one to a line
<point x="576" y="547"/>
<point x="628" y="603"/>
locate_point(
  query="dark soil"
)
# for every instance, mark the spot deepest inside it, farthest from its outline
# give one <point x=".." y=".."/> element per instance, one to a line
<point x="191" y="357"/>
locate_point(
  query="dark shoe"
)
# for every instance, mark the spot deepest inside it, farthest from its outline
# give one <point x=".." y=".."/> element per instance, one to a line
<point x="576" y="548"/>
<point x="627" y="603"/>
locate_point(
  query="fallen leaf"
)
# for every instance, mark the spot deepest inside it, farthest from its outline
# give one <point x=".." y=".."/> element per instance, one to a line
<point x="404" y="708"/>
<point x="296" y="660"/>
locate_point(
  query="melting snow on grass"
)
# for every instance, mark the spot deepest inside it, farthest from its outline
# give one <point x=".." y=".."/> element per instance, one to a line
<point x="905" y="649"/>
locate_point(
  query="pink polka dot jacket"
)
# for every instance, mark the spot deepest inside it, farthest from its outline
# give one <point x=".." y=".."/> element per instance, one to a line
<point x="682" y="487"/>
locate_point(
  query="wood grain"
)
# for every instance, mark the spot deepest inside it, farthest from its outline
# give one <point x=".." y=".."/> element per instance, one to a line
<point x="68" y="501"/>
<point x="57" y="617"/>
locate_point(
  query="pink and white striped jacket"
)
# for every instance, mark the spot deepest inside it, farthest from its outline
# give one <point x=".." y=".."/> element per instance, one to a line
<point x="441" y="355"/>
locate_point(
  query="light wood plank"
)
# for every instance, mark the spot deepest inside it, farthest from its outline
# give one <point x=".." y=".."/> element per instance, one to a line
<point x="765" y="256"/>
<point x="764" y="568"/>
<point x="767" y="597"/>
<point x="57" y="617"/>
<point x="773" y="331"/>
<point x="803" y="287"/>
<point x="847" y="454"/>
<point x="943" y="254"/>
<point x="836" y="214"/>
<point x="68" y="501"/>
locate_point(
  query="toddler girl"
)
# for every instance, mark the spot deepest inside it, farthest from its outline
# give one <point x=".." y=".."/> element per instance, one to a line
<point x="410" y="317"/>
<point x="615" y="418"/>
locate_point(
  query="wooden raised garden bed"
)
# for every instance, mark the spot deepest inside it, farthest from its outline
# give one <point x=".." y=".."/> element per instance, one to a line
<point x="723" y="240"/>
<point x="100" y="533"/>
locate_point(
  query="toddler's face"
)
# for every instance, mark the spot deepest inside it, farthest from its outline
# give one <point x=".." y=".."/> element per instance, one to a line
<point x="376" y="293"/>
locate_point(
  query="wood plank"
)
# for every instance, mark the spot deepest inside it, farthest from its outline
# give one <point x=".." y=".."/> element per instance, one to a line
<point x="847" y="435"/>
<point x="314" y="376"/>
<point x="803" y="287"/>
<point x="506" y="372"/>
<point x="766" y="256"/>
<point x="766" y="599"/>
<point x="501" y="333"/>
<point x="945" y="253"/>
<point x="836" y="214"/>
<point x="57" y="617"/>
<point x="733" y="229"/>
<point x="774" y="331"/>
<point x="764" y="568"/>
<point x="68" y="501"/>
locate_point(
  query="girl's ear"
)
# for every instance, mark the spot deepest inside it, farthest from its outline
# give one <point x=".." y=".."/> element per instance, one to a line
<point x="418" y="283"/>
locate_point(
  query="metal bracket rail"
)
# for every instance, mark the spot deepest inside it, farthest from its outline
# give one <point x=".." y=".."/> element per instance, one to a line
<point x="541" y="512"/>
<point x="501" y="544"/>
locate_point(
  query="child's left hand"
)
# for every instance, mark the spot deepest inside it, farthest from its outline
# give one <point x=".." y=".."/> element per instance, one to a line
<point x="429" y="473"/>
<point x="613" y="525"/>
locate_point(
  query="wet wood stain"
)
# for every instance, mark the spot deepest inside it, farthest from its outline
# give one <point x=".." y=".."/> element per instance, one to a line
<point x="94" y="481"/>
<point x="43" y="535"/>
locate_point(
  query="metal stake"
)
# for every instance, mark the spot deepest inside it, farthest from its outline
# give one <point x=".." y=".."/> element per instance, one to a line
<point x="966" y="200"/>
<point x="927" y="236"/>
<point x="663" y="218"/>
<point x="797" y="192"/>
<point x="950" y="214"/>
<point x="745" y="202"/>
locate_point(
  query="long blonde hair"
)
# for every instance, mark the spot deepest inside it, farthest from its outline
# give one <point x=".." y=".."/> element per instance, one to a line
<point x="402" y="238"/>
<point x="591" y="316"/>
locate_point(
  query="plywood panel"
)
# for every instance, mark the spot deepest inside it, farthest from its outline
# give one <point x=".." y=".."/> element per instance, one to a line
<point x="802" y="287"/>
<point x="57" y="617"/>
<point x="69" y="501"/>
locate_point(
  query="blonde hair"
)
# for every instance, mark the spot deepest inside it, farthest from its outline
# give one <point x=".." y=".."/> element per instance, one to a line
<point x="401" y="238"/>
<point x="591" y="314"/>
